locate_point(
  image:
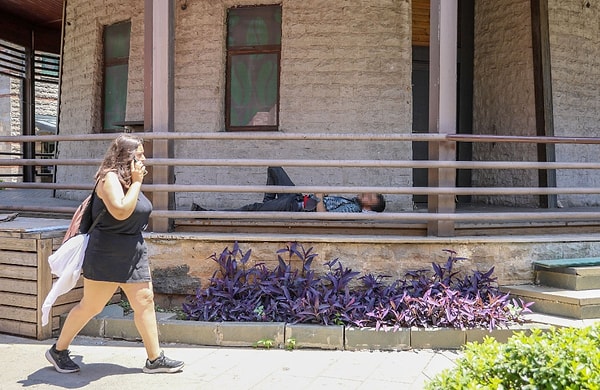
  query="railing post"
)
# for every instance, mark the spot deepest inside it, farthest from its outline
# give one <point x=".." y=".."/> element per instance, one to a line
<point x="442" y="108"/>
<point x="160" y="34"/>
<point x="542" y="79"/>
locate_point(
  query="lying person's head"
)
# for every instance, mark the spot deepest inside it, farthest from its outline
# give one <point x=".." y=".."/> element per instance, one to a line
<point x="371" y="201"/>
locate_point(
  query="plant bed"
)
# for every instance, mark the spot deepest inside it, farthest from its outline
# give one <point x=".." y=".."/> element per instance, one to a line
<point x="295" y="293"/>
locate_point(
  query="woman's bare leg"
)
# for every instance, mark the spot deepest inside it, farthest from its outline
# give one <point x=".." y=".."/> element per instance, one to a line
<point x="95" y="296"/>
<point x="141" y="299"/>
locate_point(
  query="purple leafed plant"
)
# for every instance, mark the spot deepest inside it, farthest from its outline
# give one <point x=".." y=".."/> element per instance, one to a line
<point x="293" y="292"/>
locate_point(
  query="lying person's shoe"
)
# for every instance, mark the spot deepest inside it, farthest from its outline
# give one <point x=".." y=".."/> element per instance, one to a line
<point x="162" y="364"/>
<point x="61" y="360"/>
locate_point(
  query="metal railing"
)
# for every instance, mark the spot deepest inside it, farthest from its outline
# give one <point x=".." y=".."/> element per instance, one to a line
<point x="388" y="216"/>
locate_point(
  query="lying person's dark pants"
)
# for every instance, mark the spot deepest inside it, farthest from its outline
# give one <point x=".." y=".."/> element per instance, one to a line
<point x="287" y="202"/>
<point x="276" y="176"/>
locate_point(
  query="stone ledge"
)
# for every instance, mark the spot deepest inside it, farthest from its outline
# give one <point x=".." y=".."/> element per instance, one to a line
<point x="151" y="237"/>
<point x="294" y="336"/>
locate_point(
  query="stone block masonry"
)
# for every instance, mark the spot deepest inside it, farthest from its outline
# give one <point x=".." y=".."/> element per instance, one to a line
<point x="345" y="68"/>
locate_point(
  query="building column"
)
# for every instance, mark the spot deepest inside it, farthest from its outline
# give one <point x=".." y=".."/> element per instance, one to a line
<point x="158" y="98"/>
<point x="442" y="108"/>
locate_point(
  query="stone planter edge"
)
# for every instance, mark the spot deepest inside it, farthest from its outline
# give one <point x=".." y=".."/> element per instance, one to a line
<point x="296" y="336"/>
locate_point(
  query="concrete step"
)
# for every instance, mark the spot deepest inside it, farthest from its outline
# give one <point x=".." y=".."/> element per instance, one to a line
<point x="569" y="278"/>
<point x="571" y="274"/>
<point x="559" y="322"/>
<point x="583" y="304"/>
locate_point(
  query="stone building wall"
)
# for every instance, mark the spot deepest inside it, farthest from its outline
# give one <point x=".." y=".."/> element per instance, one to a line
<point x="181" y="262"/>
<point x="81" y="88"/>
<point x="503" y="95"/>
<point x="345" y="68"/>
<point x="575" y="57"/>
<point x="8" y="96"/>
<point x="504" y="92"/>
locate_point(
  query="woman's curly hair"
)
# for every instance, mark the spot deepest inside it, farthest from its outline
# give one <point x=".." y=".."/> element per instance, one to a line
<point x="118" y="158"/>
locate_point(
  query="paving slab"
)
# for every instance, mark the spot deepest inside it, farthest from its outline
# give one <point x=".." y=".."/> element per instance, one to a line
<point x="107" y="363"/>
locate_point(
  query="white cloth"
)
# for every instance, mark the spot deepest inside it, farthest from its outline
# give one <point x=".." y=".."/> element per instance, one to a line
<point x="65" y="263"/>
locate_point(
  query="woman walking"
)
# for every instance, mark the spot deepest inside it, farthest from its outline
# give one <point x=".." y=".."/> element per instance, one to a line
<point x="117" y="256"/>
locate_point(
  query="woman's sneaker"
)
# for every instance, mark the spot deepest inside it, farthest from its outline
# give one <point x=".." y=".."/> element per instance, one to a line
<point x="162" y="364"/>
<point x="61" y="360"/>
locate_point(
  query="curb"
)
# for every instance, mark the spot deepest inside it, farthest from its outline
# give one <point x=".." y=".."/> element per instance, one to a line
<point x="112" y="324"/>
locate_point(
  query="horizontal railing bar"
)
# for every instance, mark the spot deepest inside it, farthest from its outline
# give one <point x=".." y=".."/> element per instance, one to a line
<point x="324" y="189"/>
<point x="50" y="161"/>
<point x="321" y="163"/>
<point x="227" y="136"/>
<point x="433" y="137"/>
<point x="522" y="139"/>
<point x="396" y="217"/>
<point x="382" y="190"/>
<point x="46" y="186"/>
<point x="379" y="163"/>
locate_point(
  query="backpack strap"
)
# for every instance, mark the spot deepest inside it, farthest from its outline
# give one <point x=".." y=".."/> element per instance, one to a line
<point x="93" y="225"/>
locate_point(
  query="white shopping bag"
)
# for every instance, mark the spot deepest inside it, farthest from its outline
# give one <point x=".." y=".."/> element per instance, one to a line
<point x="65" y="263"/>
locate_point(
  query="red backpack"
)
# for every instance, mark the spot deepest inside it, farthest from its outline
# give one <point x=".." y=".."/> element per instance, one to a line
<point x="81" y="222"/>
<point x="83" y="213"/>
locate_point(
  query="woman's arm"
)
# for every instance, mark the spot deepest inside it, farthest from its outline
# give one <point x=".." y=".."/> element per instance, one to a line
<point x="118" y="203"/>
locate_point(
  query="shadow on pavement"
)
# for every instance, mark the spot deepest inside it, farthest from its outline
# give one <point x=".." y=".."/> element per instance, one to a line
<point x="89" y="373"/>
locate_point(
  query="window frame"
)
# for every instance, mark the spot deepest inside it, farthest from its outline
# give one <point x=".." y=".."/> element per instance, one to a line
<point x="250" y="50"/>
<point x="106" y="64"/>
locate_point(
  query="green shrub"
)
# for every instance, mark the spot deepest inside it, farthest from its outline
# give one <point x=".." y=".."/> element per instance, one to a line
<point x="565" y="358"/>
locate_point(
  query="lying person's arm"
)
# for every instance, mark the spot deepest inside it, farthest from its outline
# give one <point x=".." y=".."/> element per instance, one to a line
<point x="321" y="203"/>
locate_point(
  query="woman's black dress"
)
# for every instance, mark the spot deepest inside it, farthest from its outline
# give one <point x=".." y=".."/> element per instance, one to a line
<point x="116" y="250"/>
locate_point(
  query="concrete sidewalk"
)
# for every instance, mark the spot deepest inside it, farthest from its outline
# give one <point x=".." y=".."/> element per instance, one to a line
<point x="113" y="364"/>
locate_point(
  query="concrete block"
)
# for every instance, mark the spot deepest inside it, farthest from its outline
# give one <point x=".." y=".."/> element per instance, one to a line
<point x="437" y="338"/>
<point x="121" y="328"/>
<point x="581" y="304"/>
<point x="371" y="339"/>
<point x="188" y="332"/>
<point x="579" y="279"/>
<point x="94" y="328"/>
<point x="315" y="336"/>
<point x="248" y="334"/>
<point x="501" y="335"/>
<point x="113" y="311"/>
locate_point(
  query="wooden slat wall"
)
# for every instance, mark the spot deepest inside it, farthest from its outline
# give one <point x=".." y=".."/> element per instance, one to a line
<point x="420" y="22"/>
<point x="25" y="281"/>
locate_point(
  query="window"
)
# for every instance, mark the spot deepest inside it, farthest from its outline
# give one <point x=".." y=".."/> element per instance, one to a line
<point x="15" y="118"/>
<point x="253" y="57"/>
<point x="116" y="67"/>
